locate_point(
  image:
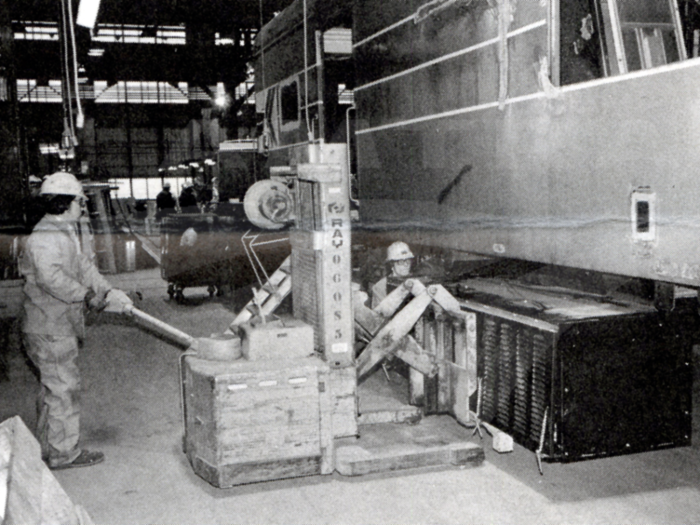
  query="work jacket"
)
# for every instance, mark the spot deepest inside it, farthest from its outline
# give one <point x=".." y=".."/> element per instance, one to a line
<point x="165" y="201"/>
<point x="57" y="276"/>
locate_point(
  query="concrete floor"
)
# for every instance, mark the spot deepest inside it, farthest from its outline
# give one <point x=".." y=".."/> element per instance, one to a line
<point x="131" y="411"/>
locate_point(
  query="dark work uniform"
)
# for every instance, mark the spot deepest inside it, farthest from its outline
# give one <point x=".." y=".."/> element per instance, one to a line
<point x="165" y="203"/>
<point x="188" y="201"/>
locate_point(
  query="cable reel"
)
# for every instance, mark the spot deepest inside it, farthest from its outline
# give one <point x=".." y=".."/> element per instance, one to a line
<point x="268" y="204"/>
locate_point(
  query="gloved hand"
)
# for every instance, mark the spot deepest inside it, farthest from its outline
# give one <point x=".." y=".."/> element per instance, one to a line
<point x="117" y="301"/>
<point x="135" y="296"/>
<point x="93" y="302"/>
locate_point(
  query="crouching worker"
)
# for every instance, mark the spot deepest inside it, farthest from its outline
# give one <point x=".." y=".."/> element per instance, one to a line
<point x="60" y="281"/>
<point x="400" y="257"/>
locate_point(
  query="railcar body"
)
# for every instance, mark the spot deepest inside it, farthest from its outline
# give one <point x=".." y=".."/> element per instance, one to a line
<point x="556" y="131"/>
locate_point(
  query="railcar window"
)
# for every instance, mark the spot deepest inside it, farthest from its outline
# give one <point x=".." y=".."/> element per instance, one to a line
<point x="609" y="37"/>
<point x="580" y="42"/>
<point x="650" y="34"/>
<point x="289" y="100"/>
<point x="690" y="18"/>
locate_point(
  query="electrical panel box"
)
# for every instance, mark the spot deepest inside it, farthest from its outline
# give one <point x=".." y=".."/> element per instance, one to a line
<point x="248" y="421"/>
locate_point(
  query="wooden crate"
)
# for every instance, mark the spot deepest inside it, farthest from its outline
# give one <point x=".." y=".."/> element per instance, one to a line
<point x="248" y="421"/>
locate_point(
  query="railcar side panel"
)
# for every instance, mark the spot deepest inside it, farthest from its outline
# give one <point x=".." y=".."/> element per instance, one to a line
<point x="553" y="175"/>
<point x="552" y="179"/>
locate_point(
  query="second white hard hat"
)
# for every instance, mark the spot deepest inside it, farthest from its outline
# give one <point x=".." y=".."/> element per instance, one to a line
<point x="62" y="183"/>
<point x="398" y="251"/>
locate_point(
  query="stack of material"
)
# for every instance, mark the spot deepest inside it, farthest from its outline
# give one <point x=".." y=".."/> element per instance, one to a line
<point x="29" y="494"/>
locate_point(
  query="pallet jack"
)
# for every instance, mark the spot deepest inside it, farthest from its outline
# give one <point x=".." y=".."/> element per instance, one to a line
<point x="354" y="434"/>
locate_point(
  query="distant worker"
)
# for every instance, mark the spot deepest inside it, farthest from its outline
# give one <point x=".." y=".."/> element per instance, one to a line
<point x="165" y="202"/>
<point x="204" y="195"/>
<point x="59" y="282"/>
<point x="400" y="257"/>
<point x="188" y="199"/>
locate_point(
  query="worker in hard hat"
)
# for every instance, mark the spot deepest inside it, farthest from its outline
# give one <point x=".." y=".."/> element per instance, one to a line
<point x="59" y="282"/>
<point x="165" y="202"/>
<point x="188" y="199"/>
<point x="400" y="257"/>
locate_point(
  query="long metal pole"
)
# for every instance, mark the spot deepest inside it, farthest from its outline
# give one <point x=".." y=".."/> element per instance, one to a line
<point x="161" y="327"/>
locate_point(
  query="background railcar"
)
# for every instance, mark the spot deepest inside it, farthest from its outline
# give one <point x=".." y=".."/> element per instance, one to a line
<point x="303" y="81"/>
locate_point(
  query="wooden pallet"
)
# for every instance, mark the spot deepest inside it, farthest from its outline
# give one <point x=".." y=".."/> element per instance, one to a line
<point x="434" y="441"/>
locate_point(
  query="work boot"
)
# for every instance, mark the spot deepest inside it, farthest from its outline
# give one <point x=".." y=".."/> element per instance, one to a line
<point x="85" y="459"/>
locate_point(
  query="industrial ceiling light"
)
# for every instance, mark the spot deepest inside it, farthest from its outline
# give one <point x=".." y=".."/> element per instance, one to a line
<point x="87" y="13"/>
<point x="221" y="99"/>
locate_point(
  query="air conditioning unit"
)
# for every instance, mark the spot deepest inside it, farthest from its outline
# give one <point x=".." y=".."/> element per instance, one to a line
<point x="585" y="379"/>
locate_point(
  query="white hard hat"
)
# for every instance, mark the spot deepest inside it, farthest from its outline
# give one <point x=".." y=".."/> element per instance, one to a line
<point x="62" y="183"/>
<point x="33" y="179"/>
<point x="398" y="251"/>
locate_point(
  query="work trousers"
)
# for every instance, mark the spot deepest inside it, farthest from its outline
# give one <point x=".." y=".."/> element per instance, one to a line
<point x="58" y="426"/>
